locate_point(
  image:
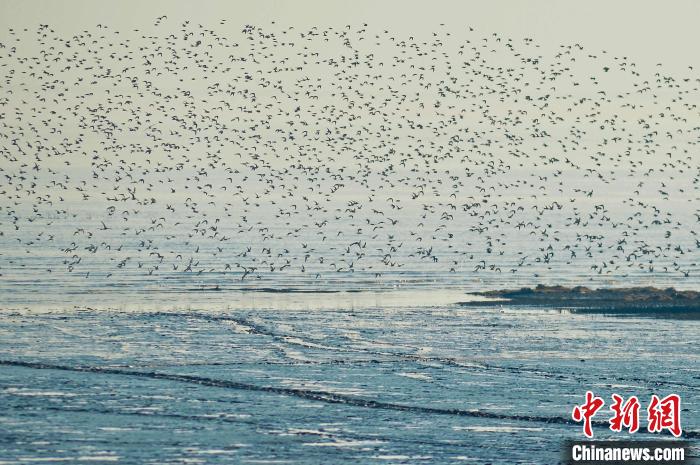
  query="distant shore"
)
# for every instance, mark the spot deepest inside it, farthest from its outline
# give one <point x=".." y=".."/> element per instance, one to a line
<point x="627" y="299"/>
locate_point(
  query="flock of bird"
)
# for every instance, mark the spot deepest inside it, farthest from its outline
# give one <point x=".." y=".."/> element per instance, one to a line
<point x="245" y="151"/>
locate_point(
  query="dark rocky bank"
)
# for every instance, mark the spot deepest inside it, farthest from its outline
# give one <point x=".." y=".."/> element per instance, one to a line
<point x="614" y="299"/>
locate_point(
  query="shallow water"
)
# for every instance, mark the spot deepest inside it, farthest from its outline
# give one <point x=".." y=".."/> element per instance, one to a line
<point x="288" y="380"/>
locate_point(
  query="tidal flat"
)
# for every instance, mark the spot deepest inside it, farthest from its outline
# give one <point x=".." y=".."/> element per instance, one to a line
<point x="389" y="377"/>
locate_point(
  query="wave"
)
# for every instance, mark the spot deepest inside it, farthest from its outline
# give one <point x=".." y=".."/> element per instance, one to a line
<point x="251" y="327"/>
<point x="319" y="396"/>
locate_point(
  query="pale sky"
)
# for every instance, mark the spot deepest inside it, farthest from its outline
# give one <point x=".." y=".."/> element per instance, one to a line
<point x="647" y="31"/>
